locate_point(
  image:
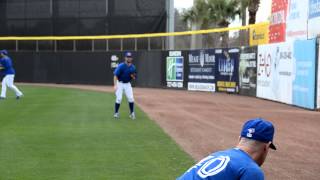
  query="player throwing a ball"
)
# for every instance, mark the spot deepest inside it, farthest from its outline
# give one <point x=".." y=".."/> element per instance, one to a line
<point x="123" y="74"/>
<point x="7" y="69"/>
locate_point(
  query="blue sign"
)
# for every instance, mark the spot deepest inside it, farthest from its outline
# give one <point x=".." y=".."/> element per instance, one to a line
<point x="201" y="65"/>
<point x="304" y="83"/>
<point x="314" y="8"/>
<point x="227" y="71"/>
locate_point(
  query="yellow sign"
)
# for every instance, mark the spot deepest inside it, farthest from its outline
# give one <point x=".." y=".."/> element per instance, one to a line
<point x="259" y="35"/>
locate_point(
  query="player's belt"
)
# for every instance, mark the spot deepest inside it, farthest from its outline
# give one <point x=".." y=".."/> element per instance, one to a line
<point x="123" y="82"/>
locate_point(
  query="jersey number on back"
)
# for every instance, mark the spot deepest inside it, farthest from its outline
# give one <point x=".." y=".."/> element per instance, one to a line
<point x="213" y="166"/>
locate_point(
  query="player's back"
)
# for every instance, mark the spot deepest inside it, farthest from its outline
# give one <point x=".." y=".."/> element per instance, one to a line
<point x="225" y="165"/>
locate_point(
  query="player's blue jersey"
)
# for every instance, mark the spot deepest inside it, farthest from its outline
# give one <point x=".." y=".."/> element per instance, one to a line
<point x="123" y="72"/>
<point x="232" y="164"/>
<point x="6" y="63"/>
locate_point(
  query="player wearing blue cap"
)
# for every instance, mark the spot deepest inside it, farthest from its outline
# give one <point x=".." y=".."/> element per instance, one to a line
<point x="123" y="75"/>
<point x="240" y="163"/>
<point x="9" y="72"/>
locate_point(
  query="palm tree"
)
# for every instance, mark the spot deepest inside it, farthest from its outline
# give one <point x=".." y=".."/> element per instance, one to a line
<point x="197" y="18"/>
<point x="198" y="14"/>
<point x="243" y="10"/>
<point x="253" y="7"/>
<point x="213" y="13"/>
<point x="223" y="12"/>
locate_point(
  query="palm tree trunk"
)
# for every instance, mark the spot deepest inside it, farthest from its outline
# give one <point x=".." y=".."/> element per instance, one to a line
<point x="196" y="40"/>
<point x="244" y="16"/>
<point x="253" y="8"/>
<point x="244" y="35"/>
<point x="224" y="35"/>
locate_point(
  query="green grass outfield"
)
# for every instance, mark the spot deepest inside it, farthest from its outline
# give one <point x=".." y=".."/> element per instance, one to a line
<point x="70" y="134"/>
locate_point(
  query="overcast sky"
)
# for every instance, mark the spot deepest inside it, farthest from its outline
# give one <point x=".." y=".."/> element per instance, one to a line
<point x="262" y="15"/>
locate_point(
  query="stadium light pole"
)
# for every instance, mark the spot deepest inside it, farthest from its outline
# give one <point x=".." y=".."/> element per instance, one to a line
<point x="170" y="23"/>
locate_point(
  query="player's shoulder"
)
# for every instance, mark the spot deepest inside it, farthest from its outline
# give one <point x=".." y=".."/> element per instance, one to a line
<point x="121" y="65"/>
<point x="244" y="165"/>
<point x="6" y="58"/>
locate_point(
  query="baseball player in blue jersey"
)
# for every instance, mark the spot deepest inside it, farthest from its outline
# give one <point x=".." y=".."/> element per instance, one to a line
<point x="240" y="163"/>
<point x="123" y="74"/>
<point x="9" y="72"/>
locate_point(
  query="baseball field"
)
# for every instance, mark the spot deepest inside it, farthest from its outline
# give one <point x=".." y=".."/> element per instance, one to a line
<point x="57" y="133"/>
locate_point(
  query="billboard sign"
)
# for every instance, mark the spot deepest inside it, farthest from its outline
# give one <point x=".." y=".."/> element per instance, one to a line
<point x="277" y="28"/>
<point x="304" y="83"/>
<point x="259" y="35"/>
<point x="201" y="70"/>
<point x="314" y="19"/>
<point x="275" y="72"/>
<point x="297" y="20"/>
<point x="318" y="91"/>
<point x="227" y="71"/>
<point x="248" y="71"/>
<point x="174" y="70"/>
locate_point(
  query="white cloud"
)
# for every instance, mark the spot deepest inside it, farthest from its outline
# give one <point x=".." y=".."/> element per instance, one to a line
<point x="183" y="4"/>
<point x="264" y="11"/>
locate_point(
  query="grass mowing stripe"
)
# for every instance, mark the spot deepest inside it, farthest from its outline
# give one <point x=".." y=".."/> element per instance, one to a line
<point x="55" y="133"/>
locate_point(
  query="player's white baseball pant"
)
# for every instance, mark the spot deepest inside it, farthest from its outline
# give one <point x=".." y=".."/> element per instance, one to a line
<point x="7" y="81"/>
<point x="127" y="88"/>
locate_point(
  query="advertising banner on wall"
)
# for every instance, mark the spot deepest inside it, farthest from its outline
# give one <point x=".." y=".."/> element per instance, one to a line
<point x="248" y="71"/>
<point x="277" y="28"/>
<point x="297" y="20"/>
<point x="201" y="70"/>
<point x="227" y="71"/>
<point x="314" y="19"/>
<point x="275" y="72"/>
<point x="259" y="35"/>
<point x="305" y="75"/>
<point x="318" y="91"/>
<point x="174" y="69"/>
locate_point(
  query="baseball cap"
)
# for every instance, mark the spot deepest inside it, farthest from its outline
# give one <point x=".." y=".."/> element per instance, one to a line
<point x="260" y="130"/>
<point x="5" y="52"/>
<point x="128" y="54"/>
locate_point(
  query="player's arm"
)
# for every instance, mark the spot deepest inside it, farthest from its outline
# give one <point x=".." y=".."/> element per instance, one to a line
<point x="115" y="77"/>
<point x="134" y="74"/>
<point x="115" y="82"/>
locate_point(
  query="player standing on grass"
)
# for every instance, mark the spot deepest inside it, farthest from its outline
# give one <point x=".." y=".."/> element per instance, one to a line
<point x="123" y="74"/>
<point x="240" y="163"/>
<point x="9" y="72"/>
